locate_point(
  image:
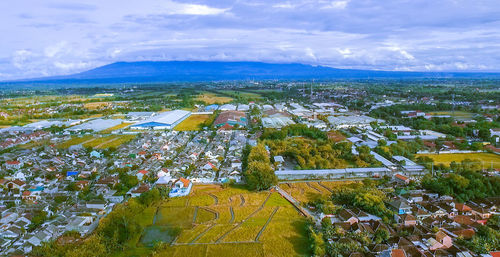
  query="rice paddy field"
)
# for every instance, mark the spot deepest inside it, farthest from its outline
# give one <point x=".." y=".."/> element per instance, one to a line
<point x="213" y="221"/>
<point x="310" y="191"/>
<point x="103" y="142"/>
<point x="489" y="159"/>
<point x="211" y="98"/>
<point x="192" y="122"/>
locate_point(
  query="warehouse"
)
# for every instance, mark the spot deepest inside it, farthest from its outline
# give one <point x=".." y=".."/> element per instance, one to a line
<point x="96" y="125"/>
<point x="276" y="122"/>
<point x="331" y="173"/>
<point x="351" y="121"/>
<point x="166" y="120"/>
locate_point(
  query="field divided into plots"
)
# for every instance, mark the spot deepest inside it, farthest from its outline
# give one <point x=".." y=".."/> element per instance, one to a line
<point x="213" y="221"/>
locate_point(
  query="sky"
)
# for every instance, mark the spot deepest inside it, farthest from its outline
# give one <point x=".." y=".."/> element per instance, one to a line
<point x="58" y="37"/>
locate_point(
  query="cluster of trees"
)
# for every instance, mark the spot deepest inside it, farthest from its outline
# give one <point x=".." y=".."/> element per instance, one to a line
<point x="364" y="196"/>
<point x="402" y="148"/>
<point x="113" y="233"/>
<point x="464" y="184"/>
<point x="294" y="130"/>
<point x="258" y="172"/>
<point x="392" y="114"/>
<point x="486" y="240"/>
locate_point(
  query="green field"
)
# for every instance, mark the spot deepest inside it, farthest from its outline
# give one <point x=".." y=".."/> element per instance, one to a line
<point x="488" y="158"/>
<point x="192" y="123"/>
<point x="459" y="115"/>
<point x="245" y="96"/>
<point x="225" y="222"/>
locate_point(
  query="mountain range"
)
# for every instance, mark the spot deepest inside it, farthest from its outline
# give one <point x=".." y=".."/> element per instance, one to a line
<point x="191" y="71"/>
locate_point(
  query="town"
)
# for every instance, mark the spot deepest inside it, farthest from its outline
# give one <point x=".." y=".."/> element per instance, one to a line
<point x="348" y="168"/>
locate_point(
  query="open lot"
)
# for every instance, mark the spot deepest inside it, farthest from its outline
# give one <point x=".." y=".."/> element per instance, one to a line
<point x="488" y="158"/>
<point x="192" y="122"/>
<point x="226" y="222"/>
<point x="211" y="98"/>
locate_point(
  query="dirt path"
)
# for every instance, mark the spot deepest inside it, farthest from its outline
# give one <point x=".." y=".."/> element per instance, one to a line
<point x="216" y="199"/>
<point x="267" y="223"/>
<point x="311" y="186"/>
<point x="109" y="141"/>
<point x="232" y="214"/>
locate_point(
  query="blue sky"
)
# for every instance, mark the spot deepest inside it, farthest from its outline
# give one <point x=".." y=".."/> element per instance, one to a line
<point x="45" y="38"/>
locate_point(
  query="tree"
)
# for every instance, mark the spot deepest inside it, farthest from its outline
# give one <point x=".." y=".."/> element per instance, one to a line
<point x="259" y="173"/>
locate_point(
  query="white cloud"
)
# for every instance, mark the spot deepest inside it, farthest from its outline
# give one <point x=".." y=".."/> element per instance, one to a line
<point x="193" y="9"/>
<point x="336" y="5"/>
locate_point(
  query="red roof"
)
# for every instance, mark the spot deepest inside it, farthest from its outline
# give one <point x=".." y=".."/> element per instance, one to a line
<point x="185" y="182"/>
<point x="26" y="193"/>
<point x="143" y="172"/>
<point x="495" y="254"/>
<point x="398" y="253"/>
<point x="399" y="176"/>
<point x="13" y="162"/>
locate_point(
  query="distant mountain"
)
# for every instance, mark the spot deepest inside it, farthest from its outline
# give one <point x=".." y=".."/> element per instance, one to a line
<point x="189" y="71"/>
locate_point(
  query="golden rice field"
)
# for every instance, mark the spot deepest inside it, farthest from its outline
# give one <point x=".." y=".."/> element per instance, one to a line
<point x="117" y="127"/>
<point x="103" y="142"/>
<point x="213" y="221"/>
<point x="309" y="191"/>
<point x="211" y="98"/>
<point x="192" y="122"/>
<point x="489" y="159"/>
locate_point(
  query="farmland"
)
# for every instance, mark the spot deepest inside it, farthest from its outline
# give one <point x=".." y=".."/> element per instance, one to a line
<point x="192" y="123"/>
<point x="310" y="191"/>
<point x="215" y="222"/>
<point x="211" y="98"/>
<point x="488" y="158"/>
<point x="117" y="127"/>
<point x="98" y="142"/>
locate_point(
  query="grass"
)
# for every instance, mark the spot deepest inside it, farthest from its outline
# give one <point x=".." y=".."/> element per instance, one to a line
<point x="211" y="98"/>
<point x="284" y="236"/>
<point x="75" y="141"/>
<point x="446" y="159"/>
<point x="459" y="115"/>
<point x="192" y="123"/>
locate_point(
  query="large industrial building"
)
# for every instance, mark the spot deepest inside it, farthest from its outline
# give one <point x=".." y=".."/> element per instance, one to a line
<point x="96" y="125"/>
<point x="351" y="121"/>
<point x="166" y="120"/>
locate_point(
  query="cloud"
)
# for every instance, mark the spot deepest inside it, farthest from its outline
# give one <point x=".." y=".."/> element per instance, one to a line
<point x="193" y="9"/>
<point x="60" y="37"/>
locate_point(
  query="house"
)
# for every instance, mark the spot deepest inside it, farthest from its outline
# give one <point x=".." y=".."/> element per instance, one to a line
<point x="182" y="187"/>
<point x="29" y="196"/>
<point x="400" y="206"/>
<point x="139" y="190"/>
<point x="140" y="174"/>
<point x="348" y="216"/>
<point x="14" y="165"/>
<point x="15" y="184"/>
<point x="444" y="239"/>
<point x="96" y="204"/>
<point x="406" y="220"/>
<point x="401" y="179"/>
<point x="38" y="238"/>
